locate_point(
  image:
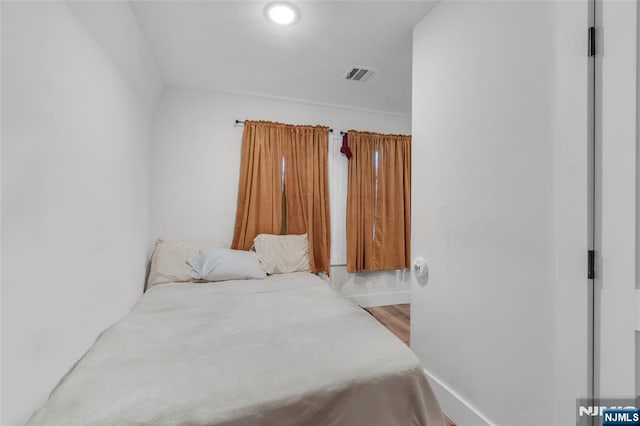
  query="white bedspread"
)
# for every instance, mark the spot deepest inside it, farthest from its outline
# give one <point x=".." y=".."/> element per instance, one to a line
<point x="283" y="351"/>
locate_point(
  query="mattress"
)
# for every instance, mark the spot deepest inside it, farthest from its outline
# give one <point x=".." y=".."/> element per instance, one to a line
<point x="287" y="350"/>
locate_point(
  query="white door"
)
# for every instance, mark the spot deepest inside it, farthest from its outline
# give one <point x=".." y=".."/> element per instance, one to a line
<point x="616" y="218"/>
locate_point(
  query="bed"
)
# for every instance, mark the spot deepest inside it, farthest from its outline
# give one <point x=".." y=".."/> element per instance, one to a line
<point x="286" y="350"/>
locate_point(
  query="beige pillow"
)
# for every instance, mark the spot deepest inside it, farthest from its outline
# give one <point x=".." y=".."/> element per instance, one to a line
<point x="169" y="261"/>
<point x="281" y="254"/>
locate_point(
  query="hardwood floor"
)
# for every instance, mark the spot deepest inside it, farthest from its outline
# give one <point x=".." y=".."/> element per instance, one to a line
<point x="397" y="319"/>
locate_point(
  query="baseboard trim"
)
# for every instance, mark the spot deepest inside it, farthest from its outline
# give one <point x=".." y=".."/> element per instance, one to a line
<point x="381" y="299"/>
<point x="454" y="406"/>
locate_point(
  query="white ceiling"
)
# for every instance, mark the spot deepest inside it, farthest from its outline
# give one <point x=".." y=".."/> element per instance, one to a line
<point x="230" y="46"/>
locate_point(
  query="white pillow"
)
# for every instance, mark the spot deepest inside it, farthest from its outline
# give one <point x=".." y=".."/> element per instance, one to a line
<point x="281" y="254"/>
<point x="169" y="262"/>
<point x="225" y="264"/>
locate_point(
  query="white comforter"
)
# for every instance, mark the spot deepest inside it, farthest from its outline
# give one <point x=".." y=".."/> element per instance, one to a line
<point x="283" y="351"/>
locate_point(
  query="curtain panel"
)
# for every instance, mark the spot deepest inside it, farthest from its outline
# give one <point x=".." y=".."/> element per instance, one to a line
<point x="379" y="202"/>
<point x="283" y="186"/>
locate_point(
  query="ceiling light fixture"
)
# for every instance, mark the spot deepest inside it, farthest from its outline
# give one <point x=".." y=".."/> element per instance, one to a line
<point x="281" y="13"/>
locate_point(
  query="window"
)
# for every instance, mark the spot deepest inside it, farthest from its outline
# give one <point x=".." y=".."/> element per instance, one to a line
<point x="284" y="186"/>
<point x="378" y="202"/>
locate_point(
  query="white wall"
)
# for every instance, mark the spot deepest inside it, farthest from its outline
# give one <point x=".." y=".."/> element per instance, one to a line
<point x="195" y="166"/>
<point x="114" y="27"/>
<point x="75" y="205"/>
<point x="0" y="229"/>
<point x="484" y="98"/>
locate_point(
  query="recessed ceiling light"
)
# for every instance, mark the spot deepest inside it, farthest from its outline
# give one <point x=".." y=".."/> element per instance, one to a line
<point x="282" y="13"/>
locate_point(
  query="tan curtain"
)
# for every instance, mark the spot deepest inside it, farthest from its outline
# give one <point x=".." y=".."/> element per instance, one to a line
<point x="307" y="191"/>
<point x="299" y="206"/>
<point x="379" y="202"/>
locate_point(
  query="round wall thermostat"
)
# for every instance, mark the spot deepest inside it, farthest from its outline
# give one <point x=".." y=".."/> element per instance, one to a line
<point x="420" y="267"/>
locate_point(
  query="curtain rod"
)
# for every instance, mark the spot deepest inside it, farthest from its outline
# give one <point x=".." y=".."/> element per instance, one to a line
<point x="330" y="130"/>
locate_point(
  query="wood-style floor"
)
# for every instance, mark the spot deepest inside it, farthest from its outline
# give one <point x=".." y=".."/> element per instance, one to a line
<point x="397" y="319"/>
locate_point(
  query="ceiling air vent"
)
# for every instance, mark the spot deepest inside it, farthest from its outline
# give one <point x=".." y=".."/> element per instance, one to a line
<point x="358" y="74"/>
